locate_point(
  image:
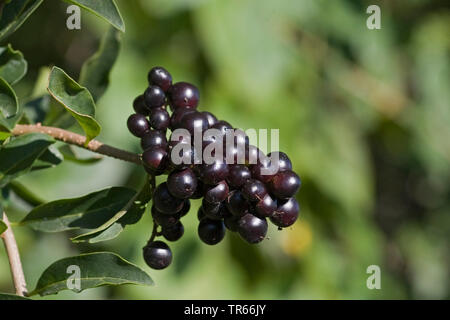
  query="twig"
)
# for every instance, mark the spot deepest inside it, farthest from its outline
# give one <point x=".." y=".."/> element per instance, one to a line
<point x="14" y="258"/>
<point x="78" y="140"/>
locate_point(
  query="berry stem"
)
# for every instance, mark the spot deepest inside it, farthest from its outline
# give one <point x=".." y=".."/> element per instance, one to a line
<point x="78" y="140"/>
<point x="14" y="258"/>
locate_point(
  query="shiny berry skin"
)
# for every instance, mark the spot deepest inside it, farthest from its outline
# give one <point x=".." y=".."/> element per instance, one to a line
<point x="178" y="115"/>
<point x="194" y="121"/>
<point x="231" y="223"/>
<point x="153" y="138"/>
<point x="211" y="231"/>
<point x="252" y="229"/>
<point x="283" y="163"/>
<point x="254" y="156"/>
<point x="286" y="213"/>
<point x="164" y="220"/>
<point x="154" y="97"/>
<point x="285" y="184"/>
<point x="266" y="207"/>
<point x="138" y="125"/>
<point x="213" y="173"/>
<point x="159" y="119"/>
<point x="257" y="171"/>
<point x="157" y="255"/>
<point x="182" y="184"/>
<point x="165" y="202"/>
<point x="139" y="105"/>
<point x="254" y="190"/>
<point x="155" y="159"/>
<point x="212" y="120"/>
<point x="217" y="193"/>
<point x="237" y="204"/>
<point x="183" y="94"/>
<point x="222" y="126"/>
<point x="160" y="77"/>
<point x="173" y="233"/>
<point x="182" y="156"/>
<point x="212" y="210"/>
<point x="238" y="175"/>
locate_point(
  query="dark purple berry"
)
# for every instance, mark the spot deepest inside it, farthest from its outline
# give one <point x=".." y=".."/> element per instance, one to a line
<point x="160" y="77"/>
<point x="252" y="229"/>
<point x="157" y="255"/>
<point x="211" y="231"/>
<point x="212" y="120"/>
<point x="155" y="159"/>
<point x="164" y="220"/>
<point x="217" y="193"/>
<point x="222" y="126"/>
<point x="286" y="213"/>
<point x="266" y="207"/>
<point x="261" y="171"/>
<point x="200" y="214"/>
<point x="159" y="119"/>
<point x="213" y="173"/>
<point x="186" y="207"/>
<point x="285" y="184"/>
<point x="194" y="122"/>
<point x="178" y="115"/>
<point x="238" y="175"/>
<point x="199" y="191"/>
<point x="138" y="124"/>
<point x="254" y="190"/>
<point x="139" y="105"/>
<point x="212" y="210"/>
<point x="153" y="138"/>
<point x="165" y="202"/>
<point x="283" y="163"/>
<point x="237" y="204"/>
<point x="173" y="233"/>
<point x="154" y="97"/>
<point x="182" y="184"/>
<point x="183" y="94"/>
<point x="231" y="223"/>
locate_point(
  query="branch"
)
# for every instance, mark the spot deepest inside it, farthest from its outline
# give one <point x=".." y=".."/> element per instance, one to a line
<point x="78" y="140"/>
<point x="14" y="258"/>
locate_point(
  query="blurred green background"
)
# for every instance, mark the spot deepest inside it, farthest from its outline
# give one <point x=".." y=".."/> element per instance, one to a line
<point x="363" y="114"/>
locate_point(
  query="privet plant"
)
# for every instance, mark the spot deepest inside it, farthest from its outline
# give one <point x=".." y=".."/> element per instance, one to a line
<point x="239" y="193"/>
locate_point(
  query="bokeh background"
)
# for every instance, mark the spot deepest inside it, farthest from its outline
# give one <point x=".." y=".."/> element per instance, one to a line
<point x="363" y="114"/>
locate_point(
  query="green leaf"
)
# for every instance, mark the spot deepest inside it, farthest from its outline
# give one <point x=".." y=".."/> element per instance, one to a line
<point x="25" y="194"/>
<point x="76" y="99"/>
<point x="106" y="9"/>
<point x="12" y="65"/>
<point x="8" y="103"/>
<point x="8" y="296"/>
<point x="70" y="154"/>
<point x="18" y="155"/>
<point x="95" y="71"/>
<point x="130" y="214"/>
<point x="49" y="159"/>
<point x="3" y="227"/>
<point x="96" y="269"/>
<point x="88" y="212"/>
<point x="14" y="14"/>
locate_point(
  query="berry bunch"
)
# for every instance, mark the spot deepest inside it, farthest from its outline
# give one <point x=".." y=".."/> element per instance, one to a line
<point x="239" y="197"/>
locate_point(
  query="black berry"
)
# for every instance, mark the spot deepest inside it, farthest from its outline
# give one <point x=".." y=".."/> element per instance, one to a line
<point x="138" y="125"/>
<point x="211" y="231"/>
<point x="173" y="233"/>
<point x="286" y="213"/>
<point x="154" y="97"/>
<point x="183" y="94"/>
<point x="165" y="202"/>
<point x="157" y="255"/>
<point x="285" y="184"/>
<point x="160" y="77"/>
<point x="252" y="229"/>
<point x="159" y="119"/>
<point x="182" y="184"/>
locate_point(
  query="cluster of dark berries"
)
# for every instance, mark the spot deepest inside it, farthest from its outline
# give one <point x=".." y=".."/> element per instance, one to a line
<point x="237" y="197"/>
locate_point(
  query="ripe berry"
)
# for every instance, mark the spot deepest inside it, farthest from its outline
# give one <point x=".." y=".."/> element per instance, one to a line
<point x="258" y="172"/>
<point x="160" y="77"/>
<point x="159" y="119"/>
<point x="178" y="115"/>
<point x="155" y="159"/>
<point x="238" y="175"/>
<point x="213" y="173"/>
<point x="211" y="231"/>
<point x="154" y="97"/>
<point x="182" y="184"/>
<point x="173" y="233"/>
<point x="286" y="213"/>
<point x="138" y="125"/>
<point x="164" y="220"/>
<point x="139" y="105"/>
<point x="200" y="214"/>
<point x="212" y="120"/>
<point x="252" y="229"/>
<point x="231" y="223"/>
<point x="222" y="126"/>
<point x="237" y="204"/>
<point x="157" y="255"/>
<point x="254" y="156"/>
<point x="285" y="184"/>
<point x="186" y="207"/>
<point x="183" y="94"/>
<point x="283" y="163"/>
<point x="266" y="207"/>
<point x="199" y="191"/>
<point x="212" y="210"/>
<point x="254" y="190"/>
<point x="165" y="202"/>
<point x="194" y="121"/>
<point x="217" y="193"/>
<point x="153" y="138"/>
